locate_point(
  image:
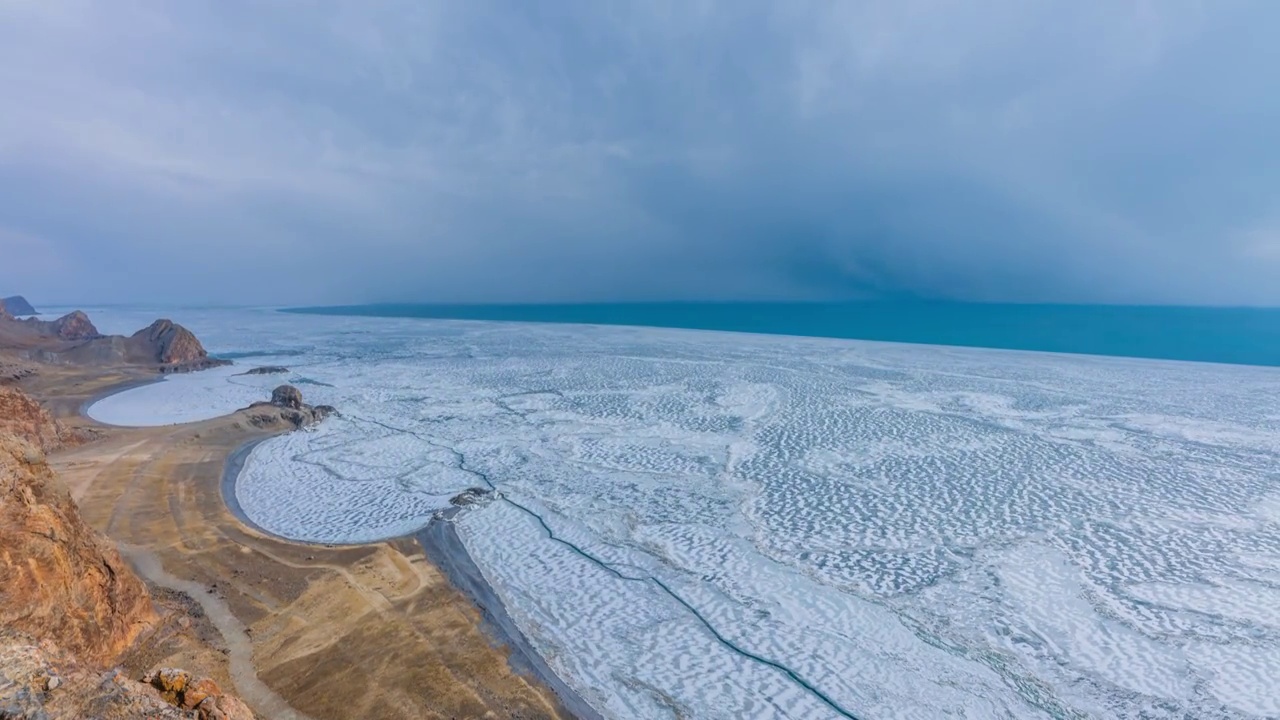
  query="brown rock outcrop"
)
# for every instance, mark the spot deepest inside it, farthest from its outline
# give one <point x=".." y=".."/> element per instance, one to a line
<point x="27" y="419"/>
<point x="171" y="344"/>
<point x="74" y="326"/>
<point x="286" y="406"/>
<point x="201" y="695"/>
<point x="59" y="581"/>
<point x="287" y="396"/>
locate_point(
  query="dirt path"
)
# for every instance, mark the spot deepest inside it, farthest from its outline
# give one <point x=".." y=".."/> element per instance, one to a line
<point x="248" y="686"/>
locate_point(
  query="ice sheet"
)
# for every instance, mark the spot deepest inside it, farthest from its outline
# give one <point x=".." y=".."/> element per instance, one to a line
<point x="694" y="524"/>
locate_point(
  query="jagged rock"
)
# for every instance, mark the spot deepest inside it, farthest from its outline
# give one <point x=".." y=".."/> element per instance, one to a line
<point x="202" y="695"/>
<point x="267" y="370"/>
<point x="75" y="326"/>
<point x="59" y="580"/>
<point x="287" y="396"/>
<point x="22" y="416"/>
<point x="16" y="305"/>
<point x="180" y="688"/>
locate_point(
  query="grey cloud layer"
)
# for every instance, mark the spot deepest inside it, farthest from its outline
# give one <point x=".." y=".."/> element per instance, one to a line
<point x="315" y="152"/>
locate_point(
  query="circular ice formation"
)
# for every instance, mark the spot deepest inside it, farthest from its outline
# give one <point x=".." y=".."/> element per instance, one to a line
<point x="180" y="398"/>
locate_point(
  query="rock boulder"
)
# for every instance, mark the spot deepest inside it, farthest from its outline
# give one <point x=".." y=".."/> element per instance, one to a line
<point x="287" y="396"/>
<point x="201" y="695"/>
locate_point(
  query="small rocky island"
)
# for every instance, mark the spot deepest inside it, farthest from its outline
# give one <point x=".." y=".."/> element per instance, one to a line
<point x="286" y="405"/>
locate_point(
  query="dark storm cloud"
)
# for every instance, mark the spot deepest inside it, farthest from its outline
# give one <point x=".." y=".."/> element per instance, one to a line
<point x="316" y="152"/>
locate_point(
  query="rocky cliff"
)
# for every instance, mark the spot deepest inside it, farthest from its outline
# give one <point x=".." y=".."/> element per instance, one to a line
<point x="58" y="579"/>
<point x="16" y="305"/>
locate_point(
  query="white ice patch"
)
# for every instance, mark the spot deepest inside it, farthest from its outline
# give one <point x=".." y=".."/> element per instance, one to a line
<point x="184" y="397"/>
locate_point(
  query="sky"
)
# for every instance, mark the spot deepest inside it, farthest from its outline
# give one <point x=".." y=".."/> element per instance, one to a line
<point x="296" y="152"/>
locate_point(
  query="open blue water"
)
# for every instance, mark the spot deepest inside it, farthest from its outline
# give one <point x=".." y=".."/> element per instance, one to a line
<point x="1247" y="336"/>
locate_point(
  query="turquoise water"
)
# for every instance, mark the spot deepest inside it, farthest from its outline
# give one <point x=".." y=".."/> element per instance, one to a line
<point x="1248" y="336"/>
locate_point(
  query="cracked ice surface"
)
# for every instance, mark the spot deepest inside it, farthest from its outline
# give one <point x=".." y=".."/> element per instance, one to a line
<point x="716" y="525"/>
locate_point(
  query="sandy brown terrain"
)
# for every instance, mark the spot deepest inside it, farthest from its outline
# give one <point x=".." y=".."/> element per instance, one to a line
<point x="371" y="631"/>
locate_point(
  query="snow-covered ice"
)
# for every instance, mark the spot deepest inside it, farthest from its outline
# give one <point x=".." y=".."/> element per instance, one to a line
<point x="695" y="524"/>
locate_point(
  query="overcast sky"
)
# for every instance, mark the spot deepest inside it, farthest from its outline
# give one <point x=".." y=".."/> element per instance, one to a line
<point x="471" y="150"/>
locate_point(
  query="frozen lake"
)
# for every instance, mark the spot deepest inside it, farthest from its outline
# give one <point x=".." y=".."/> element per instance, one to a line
<point x="713" y="525"/>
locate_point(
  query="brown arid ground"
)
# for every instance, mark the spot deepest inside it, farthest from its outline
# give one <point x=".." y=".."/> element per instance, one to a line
<point x="373" y="631"/>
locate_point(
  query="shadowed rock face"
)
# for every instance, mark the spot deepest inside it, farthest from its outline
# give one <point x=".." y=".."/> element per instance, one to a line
<point x="16" y="305"/>
<point x="59" y="581"/>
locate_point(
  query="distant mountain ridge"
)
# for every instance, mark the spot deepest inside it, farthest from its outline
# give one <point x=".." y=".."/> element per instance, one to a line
<point x="74" y="340"/>
<point x="16" y="305"/>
